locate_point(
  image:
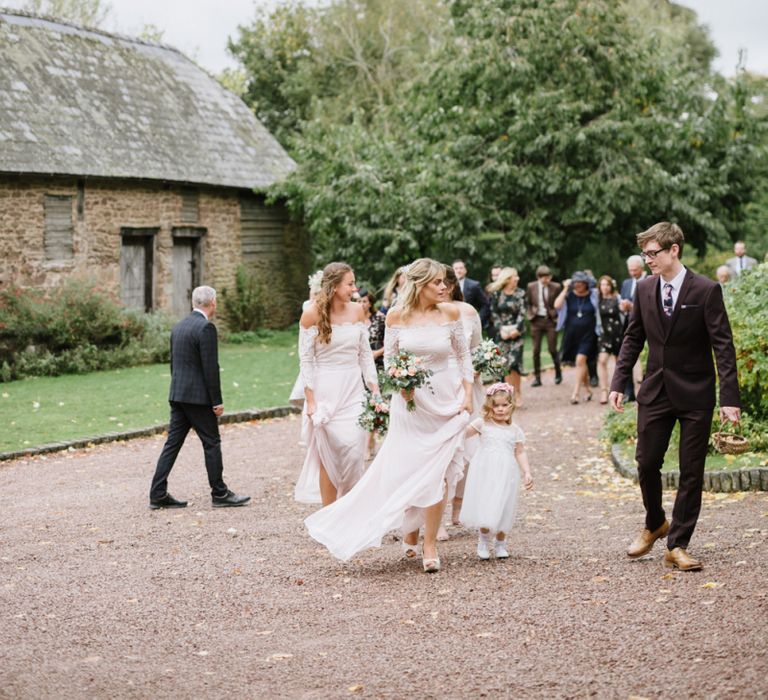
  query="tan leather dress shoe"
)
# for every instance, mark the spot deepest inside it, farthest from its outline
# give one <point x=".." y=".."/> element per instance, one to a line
<point x="678" y="558"/>
<point x="644" y="541"/>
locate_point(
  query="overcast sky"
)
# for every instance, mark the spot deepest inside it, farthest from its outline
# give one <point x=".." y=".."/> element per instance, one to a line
<point x="200" y="28"/>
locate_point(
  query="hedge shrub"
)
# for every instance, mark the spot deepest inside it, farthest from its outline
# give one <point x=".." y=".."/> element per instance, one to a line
<point x="76" y="327"/>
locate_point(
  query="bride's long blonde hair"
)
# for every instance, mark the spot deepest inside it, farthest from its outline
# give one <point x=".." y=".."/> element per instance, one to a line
<point x="417" y="275"/>
<point x="333" y="274"/>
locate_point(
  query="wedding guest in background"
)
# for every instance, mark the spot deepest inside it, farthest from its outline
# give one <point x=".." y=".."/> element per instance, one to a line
<point x="542" y="315"/>
<point x="612" y="321"/>
<point x="508" y="322"/>
<point x="196" y="402"/>
<point x="392" y="289"/>
<point x="421" y="458"/>
<point x="740" y="261"/>
<point x="335" y="357"/>
<point x="472" y="291"/>
<point x="579" y="315"/>
<point x="636" y="271"/>
<point x="723" y="274"/>
<point x="592" y="359"/>
<point x="493" y="275"/>
<point x="375" y="323"/>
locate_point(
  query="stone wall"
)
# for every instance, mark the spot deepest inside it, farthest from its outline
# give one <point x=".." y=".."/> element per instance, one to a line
<point x="109" y="206"/>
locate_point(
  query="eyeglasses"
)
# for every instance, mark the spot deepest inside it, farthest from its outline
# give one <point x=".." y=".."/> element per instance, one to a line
<point x="651" y="254"/>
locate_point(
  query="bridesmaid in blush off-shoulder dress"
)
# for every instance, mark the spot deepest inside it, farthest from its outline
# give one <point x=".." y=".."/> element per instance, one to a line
<point x="421" y="458"/>
<point x="335" y="356"/>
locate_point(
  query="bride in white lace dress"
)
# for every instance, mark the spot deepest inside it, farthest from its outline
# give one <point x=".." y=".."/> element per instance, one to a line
<point x="421" y="458"/>
<point x="335" y="356"/>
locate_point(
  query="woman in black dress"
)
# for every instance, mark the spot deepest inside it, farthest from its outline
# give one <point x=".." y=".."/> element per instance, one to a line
<point x="612" y="320"/>
<point x="579" y="315"/>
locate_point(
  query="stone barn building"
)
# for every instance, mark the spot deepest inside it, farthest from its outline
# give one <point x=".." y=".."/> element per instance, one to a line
<point x="123" y="160"/>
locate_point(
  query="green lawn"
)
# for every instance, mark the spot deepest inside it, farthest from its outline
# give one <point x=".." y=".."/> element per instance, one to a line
<point x="42" y="410"/>
<point x="715" y="462"/>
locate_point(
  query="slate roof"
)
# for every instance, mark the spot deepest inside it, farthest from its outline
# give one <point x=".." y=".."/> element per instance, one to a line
<point x="85" y="102"/>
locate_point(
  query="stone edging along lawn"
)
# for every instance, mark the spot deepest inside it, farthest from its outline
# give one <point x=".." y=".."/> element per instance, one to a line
<point x="237" y="417"/>
<point x="754" y="479"/>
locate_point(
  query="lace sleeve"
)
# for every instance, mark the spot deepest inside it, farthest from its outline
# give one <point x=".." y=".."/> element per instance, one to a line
<point x="460" y="349"/>
<point x="365" y="358"/>
<point x="476" y="336"/>
<point x="307" y="338"/>
<point x="391" y="343"/>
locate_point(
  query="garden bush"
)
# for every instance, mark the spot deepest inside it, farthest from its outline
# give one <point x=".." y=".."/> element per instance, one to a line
<point x="74" y="328"/>
<point x="245" y="306"/>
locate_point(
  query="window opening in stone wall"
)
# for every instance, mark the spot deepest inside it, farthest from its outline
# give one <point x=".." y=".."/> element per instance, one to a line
<point x="190" y="205"/>
<point x="136" y="267"/>
<point x="57" y="239"/>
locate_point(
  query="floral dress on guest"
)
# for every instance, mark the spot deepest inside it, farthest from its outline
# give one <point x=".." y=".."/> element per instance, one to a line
<point x="612" y="320"/>
<point x="509" y="310"/>
<point x="376" y="336"/>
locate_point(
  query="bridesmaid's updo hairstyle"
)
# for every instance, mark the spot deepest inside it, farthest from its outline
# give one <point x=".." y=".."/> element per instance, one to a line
<point x="417" y="275"/>
<point x="333" y="274"/>
<point x="453" y="282"/>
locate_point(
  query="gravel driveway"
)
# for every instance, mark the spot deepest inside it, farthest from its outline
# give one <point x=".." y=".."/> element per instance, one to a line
<point x="102" y="598"/>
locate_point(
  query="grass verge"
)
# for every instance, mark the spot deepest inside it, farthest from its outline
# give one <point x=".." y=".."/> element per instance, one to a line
<point x="715" y="462"/>
<point x="43" y="410"/>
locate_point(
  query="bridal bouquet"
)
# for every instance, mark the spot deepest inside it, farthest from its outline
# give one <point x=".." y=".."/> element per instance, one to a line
<point x="407" y="372"/>
<point x="375" y="415"/>
<point x="488" y="360"/>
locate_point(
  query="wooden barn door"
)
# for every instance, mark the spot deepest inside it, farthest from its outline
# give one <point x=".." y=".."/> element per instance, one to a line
<point x="186" y="268"/>
<point x="262" y="230"/>
<point x="136" y="261"/>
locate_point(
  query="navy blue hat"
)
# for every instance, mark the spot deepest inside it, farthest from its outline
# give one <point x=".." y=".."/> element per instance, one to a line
<point x="579" y="276"/>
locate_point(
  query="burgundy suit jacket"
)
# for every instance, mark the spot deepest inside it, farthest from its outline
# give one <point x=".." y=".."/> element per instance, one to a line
<point x="532" y="296"/>
<point x="680" y="349"/>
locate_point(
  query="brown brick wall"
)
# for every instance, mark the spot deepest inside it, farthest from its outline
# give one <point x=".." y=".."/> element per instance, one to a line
<point x="113" y="204"/>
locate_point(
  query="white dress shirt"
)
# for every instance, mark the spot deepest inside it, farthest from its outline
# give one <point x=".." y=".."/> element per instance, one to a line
<point x="542" y="310"/>
<point x="676" y="282"/>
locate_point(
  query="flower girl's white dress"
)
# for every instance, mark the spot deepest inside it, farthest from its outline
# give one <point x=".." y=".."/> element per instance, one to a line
<point x="493" y="480"/>
<point x="422" y="452"/>
<point x="335" y="372"/>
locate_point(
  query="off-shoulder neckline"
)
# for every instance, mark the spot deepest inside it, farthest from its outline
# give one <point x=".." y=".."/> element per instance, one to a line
<point x="427" y="325"/>
<point x="338" y="325"/>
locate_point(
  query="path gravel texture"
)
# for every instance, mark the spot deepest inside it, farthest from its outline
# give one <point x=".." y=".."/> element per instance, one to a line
<point x="102" y="598"/>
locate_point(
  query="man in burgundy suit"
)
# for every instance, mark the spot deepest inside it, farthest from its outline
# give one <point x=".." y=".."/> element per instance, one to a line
<point x="540" y="299"/>
<point x="683" y="318"/>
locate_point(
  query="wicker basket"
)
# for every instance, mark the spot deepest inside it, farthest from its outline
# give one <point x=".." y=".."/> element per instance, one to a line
<point x="730" y="443"/>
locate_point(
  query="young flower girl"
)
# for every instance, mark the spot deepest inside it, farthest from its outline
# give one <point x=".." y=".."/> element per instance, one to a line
<point x="493" y="481"/>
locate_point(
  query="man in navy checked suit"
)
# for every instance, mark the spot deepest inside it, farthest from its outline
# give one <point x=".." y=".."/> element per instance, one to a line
<point x="196" y="402"/>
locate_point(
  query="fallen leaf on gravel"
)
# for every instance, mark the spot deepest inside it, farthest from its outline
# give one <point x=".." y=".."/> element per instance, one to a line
<point x="637" y="697"/>
<point x="416" y="605"/>
<point x="355" y="688"/>
<point x="232" y="531"/>
<point x="202" y="653"/>
<point x="91" y="659"/>
<point x="668" y="577"/>
<point x="336" y="596"/>
<point x="264" y="633"/>
<point x="484" y="635"/>
<point x="740" y="563"/>
<point x="709" y="545"/>
<point x="105" y="541"/>
<point x="712" y="584"/>
<point x="707" y="602"/>
<point x="600" y="579"/>
<point x="279" y="657"/>
<point x="407" y="622"/>
<point x="665" y="590"/>
<point x="661" y="599"/>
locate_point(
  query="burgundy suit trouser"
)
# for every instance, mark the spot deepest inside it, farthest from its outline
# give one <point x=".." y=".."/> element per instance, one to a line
<point x="540" y="326"/>
<point x="655" y="422"/>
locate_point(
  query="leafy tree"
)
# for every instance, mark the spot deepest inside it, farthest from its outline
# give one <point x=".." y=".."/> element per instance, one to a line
<point x="335" y="64"/>
<point x="91" y="13"/>
<point x="540" y="128"/>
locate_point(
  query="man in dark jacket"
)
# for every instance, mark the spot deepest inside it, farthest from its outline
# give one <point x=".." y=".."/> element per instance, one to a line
<point x="473" y="292"/>
<point x="682" y="317"/>
<point x="196" y="402"/>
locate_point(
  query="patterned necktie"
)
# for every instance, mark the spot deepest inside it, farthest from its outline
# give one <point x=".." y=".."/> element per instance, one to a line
<point x="666" y="301"/>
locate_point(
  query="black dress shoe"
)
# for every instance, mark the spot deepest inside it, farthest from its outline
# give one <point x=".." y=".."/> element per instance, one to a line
<point x="229" y="500"/>
<point x="536" y="382"/>
<point x="558" y="378"/>
<point x="593" y="381"/>
<point x="166" y="501"/>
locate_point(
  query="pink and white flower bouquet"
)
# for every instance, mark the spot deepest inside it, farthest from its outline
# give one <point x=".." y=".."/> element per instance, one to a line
<point x="407" y="372"/>
<point x="488" y="360"/>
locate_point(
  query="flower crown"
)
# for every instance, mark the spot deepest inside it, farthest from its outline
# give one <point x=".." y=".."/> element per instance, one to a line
<point x="315" y="281"/>
<point x="405" y="268"/>
<point x="499" y="386"/>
